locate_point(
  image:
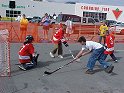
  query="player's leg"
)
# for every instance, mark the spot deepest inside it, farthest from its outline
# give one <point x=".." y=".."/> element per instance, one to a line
<point x="107" y="66"/>
<point x="34" y="59"/>
<point x="52" y="53"/>
<point x="21" y="35"/>
<point x="113" y="57"/>
<point x="25" y="31"/>
<point x="29" y="65"/>
<point x="60" y="51"/>
<point x="102" y="57"/>
<point x="91" y="63"/>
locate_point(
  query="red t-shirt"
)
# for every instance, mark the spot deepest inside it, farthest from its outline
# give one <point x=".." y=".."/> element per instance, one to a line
<point x="25" y="52"/>
<point x="58" y="36"/>
<point x="110" y="44"/>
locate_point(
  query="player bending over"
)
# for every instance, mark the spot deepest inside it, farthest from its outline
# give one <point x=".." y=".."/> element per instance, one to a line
<point x="27" y="57"/>
<point x="97" y="50"/>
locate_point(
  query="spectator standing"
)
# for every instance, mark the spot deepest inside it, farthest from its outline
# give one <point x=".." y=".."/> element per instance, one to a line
<point x="54" y="16"/>
<point x="46" y="23"/>
<point x="59" y="17"/>
<point x="23" y="26"/>
<point x="69" y="30"/>
<point x="102" y="31"/>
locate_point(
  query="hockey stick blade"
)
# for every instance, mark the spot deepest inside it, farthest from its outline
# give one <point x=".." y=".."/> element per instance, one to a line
<point x="48" y="73"/>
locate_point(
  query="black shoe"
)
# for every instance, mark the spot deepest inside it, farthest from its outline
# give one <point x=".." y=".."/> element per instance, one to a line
<point x="89" y="71"/>
<point x="35" y="59"/>
<point x="109" y="69"/>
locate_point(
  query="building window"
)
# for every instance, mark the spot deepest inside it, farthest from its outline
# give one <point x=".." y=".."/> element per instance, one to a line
<point x="84" y="20"/>
<point x="95" y="15"/>
<point x="12" y="13"/>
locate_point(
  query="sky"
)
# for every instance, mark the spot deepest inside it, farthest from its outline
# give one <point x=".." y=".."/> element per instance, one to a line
<point x="102" y="2"/>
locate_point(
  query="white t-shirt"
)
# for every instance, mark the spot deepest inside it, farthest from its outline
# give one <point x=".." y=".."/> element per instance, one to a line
<point x="68" y="23"/>
<point x="90" y="45"/>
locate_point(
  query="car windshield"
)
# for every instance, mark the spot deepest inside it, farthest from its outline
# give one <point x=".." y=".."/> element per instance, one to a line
<point x="122" y="25"/>
<point x="118" y="23"/>
<point x="35" y="17"/>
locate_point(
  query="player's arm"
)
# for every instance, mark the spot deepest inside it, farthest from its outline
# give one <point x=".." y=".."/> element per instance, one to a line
<point x="31" y="50"/>
<point x="86" y="52"/>
<point x="79" y="54"/>
<point x="82" y="53"/>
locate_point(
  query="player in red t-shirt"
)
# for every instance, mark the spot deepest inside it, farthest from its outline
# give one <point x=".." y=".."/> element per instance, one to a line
<point x="109" y="44"/>
<point x="58" y="39"/>
<point x="27" y="57"/>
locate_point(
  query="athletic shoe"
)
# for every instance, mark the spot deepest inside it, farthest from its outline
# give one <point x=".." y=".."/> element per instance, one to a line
<point x="116" y="61"/>
<point x="60" y="56"/>
<point x="22" y="68"/>
<point x="109" y="69"/>
<point x="89" y="71"/>
<point x="51" y="54"/>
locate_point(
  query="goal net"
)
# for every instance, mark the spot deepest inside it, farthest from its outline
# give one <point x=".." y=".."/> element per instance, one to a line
<point x="4" y="53"/>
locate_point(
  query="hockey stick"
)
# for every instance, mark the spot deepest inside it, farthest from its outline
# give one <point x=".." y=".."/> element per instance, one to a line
<point x="48" y="73"/>
<point x="71" y="53"/>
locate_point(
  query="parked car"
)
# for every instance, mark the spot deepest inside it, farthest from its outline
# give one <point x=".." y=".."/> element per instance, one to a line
<point x="35" y="19"/>
<point x="110" y="22"/>
<point x="118" y="24"/>
<point x="90" y="20"/>
<point x="118" y="27"/>
<point x="29" y="18"/>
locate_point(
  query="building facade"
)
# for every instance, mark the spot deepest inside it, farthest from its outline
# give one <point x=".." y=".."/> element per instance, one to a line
<point x="36" y="8"/>
<point x="101" y="12"/>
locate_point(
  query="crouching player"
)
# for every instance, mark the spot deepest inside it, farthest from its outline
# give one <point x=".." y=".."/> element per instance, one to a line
<point x="58" y="39"/>
<point x="97" y="53"/>
<point x="27" y="57"/>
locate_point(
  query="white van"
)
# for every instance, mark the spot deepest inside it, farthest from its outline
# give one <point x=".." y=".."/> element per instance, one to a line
<point x="77" y="19"/>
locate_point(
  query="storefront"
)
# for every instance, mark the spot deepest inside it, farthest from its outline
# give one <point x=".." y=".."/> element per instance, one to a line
<point x="100" y="12"/>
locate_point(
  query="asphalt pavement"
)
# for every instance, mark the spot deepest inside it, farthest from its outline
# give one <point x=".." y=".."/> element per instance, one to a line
<point x="69" y="79"/>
